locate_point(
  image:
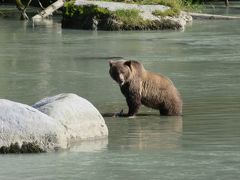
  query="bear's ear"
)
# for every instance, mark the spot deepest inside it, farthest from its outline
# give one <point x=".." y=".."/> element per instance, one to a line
<point x="110" y="63"/>
<point x="128" y="63"/>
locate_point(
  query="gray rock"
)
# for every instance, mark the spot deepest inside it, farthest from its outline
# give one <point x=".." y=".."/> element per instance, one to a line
<point x="21" y="123"/>
<point x="65" y="119"/>
<point x="114" y="6"/>
<point x="80" y="118"/>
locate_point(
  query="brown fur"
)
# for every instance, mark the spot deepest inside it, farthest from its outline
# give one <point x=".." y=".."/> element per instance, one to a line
<point x="140" y="86"/>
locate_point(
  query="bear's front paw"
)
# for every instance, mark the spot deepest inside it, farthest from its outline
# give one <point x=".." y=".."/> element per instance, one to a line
<point x="119" y="114"/>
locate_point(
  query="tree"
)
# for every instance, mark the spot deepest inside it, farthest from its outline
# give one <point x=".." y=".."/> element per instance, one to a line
<point x="22" y="8"/>
<point x="226" y="2"/>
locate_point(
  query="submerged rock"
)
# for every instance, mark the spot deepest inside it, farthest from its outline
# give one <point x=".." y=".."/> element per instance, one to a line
<point x="20" y="123"/>
<point x="80" y="118"/>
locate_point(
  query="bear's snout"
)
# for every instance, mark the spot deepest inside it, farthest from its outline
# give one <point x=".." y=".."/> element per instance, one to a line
<point x="121" y="79"/>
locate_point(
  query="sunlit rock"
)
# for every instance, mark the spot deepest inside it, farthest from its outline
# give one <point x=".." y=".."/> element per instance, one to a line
<point x="65" y="118"/>
<point x="21" y="124"/>
<point x="80" y="118"/>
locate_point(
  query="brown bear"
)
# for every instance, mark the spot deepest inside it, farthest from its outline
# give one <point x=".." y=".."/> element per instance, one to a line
<point x="140" y="86"/>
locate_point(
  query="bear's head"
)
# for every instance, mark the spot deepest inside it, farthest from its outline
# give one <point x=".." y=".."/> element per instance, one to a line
<point x="120" y="71"/>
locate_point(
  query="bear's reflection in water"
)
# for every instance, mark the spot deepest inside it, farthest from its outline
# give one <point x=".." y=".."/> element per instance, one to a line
<point x="145" y="131"/>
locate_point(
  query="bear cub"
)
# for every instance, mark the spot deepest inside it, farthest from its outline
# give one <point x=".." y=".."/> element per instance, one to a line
<point x="140" y="86"/>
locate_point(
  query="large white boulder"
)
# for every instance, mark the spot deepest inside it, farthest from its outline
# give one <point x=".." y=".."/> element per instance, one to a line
<point x="52" y="123"/>
<point x="20" y="122"/>
<point x="80" y="118"/>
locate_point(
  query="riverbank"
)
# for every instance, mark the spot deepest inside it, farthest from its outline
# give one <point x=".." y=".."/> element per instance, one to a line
<point x="100" y="15"/>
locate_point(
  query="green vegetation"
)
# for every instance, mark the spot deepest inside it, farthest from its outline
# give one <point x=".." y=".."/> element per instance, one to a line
<point x="169" y="12"/>
<point x="84" y="17"/>
<point x="25" y="148"/>
<point x="91" y="10"/>
<point x="130" y="19"/>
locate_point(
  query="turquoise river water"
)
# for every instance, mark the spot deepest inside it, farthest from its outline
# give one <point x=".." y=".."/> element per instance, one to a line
<point x="204" y="63"/>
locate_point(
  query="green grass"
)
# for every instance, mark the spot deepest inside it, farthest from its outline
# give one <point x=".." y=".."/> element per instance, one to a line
<point x="130" y="17"/>
<point x="169" y="12"/>
<point x="92" y="10"/>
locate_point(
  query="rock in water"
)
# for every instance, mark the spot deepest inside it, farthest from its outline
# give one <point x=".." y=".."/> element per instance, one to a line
<point x="65" y="118"/>
<point x="80" y="118"/>
<point x="101" y="15"/>
<point x="21" y="123"/>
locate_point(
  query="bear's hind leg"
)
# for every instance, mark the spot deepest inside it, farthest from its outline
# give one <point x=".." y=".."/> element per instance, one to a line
<point x="167" y="112"/>
<point x="164" y="112"/>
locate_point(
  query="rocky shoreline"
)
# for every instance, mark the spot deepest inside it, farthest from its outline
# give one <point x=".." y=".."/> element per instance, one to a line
<point x="100" y="15"/>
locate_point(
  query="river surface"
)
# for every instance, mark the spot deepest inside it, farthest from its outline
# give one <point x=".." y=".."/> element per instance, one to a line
<point x="203" y="62"/>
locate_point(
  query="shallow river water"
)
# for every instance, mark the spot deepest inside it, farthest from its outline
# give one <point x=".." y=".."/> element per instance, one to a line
<point x="203" y="62"/>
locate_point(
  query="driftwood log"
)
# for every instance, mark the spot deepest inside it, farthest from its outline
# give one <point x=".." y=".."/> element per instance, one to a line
<point x="49" y="10"/>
